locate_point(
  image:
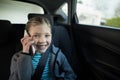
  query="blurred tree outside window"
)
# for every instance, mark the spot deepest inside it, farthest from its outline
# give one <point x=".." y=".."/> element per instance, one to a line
<point x="99" y="12"/>
<point x="115" y="21"/>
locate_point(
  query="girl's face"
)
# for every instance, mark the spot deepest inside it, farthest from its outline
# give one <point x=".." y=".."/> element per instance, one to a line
<point x="41" y="34"/>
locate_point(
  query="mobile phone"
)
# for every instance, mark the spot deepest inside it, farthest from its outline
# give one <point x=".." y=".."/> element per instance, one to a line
<point x="32" y="47"/>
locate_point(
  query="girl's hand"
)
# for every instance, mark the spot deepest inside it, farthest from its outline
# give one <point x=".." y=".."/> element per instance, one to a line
<point x="26" y="41"/>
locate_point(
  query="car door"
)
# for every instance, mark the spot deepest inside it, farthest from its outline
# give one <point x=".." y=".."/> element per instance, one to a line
<point x="98" y="49"/>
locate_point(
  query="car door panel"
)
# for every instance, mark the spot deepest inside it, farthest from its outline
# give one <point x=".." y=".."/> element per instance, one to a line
<point x="100" y="51"/>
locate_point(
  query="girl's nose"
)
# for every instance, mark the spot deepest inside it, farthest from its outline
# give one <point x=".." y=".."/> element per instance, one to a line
<point x="42" y="39"/>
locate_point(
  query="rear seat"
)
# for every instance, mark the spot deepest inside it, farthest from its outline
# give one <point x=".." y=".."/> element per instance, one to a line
<point x="19" y="33"/>
<point x="10" y="36"/>
<point x="10" y="42"/>
<point x="7" y="48"/>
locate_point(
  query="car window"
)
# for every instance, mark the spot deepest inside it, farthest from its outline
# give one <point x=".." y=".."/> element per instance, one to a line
<point x="99" y="12"/>
<point x="63" y="11"/>
<point x="17" y="12"/>
<point x="65" y="8"/>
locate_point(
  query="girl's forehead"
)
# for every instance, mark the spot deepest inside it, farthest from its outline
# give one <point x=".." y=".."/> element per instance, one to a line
<point x="44" y="28"/>
<point x="41" y="26"/>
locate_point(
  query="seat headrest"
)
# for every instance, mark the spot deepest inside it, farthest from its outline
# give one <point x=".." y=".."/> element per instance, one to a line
<point x="48" y="16"/>
<point x="5" y="31"/>
<point x="60" y="18"/>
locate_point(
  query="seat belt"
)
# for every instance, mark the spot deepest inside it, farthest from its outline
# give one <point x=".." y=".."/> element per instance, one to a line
<point x="39" y="70"/>
<point x="42" y="62"/>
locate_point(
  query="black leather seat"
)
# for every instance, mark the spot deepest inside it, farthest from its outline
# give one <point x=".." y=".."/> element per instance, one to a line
<point x="7" y="48"/>
<point x="10" y="35"/>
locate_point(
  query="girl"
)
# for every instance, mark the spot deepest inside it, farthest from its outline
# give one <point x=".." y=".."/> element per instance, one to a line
<point x="39" y="59"/>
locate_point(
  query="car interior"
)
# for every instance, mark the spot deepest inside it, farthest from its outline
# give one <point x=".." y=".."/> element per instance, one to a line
<point x="92" y="51"/>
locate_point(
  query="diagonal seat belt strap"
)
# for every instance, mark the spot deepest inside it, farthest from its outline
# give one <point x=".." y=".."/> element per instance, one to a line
<point x="39" y="70"/>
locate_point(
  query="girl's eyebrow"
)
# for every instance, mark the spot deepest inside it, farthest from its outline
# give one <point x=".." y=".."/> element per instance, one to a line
<point x="40" y="34"/>
<point x="36" y="33"/>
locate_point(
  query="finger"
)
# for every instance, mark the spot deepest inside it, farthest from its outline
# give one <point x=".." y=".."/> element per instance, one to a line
<point x="29" y="43"/>
<point x="25" y="40"/>
<point x="25" y="37"/>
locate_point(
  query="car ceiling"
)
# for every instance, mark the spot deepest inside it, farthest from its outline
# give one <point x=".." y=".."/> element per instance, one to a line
<point x="48" y="5"/>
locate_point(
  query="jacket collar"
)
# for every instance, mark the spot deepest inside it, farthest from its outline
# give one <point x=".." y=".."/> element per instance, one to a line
<point x="54" y="49"/>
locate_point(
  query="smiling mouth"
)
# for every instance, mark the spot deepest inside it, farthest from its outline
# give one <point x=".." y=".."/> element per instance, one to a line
<point x="41" y="47"/>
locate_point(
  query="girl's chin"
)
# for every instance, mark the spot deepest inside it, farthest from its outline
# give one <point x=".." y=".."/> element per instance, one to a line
<point x="42" y="51"/>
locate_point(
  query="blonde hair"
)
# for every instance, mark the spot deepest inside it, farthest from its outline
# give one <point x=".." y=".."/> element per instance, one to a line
<point x="37" y="21"/>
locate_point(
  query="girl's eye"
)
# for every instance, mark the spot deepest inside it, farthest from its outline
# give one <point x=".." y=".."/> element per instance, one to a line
<point x="36" y="36"/>
<point x="47" y="35"/>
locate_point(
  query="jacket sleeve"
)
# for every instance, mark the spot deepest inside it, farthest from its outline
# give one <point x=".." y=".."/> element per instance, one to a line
<point x="18" y="68"/>
<point x="66" y="68"/>
<point x="13" y="69"/>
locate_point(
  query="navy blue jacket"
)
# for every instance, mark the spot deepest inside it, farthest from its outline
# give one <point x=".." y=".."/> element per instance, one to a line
<point x="22" y="69"/>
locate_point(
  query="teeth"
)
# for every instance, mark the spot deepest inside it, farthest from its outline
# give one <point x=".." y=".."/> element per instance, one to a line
<point x="42" y="47"/>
